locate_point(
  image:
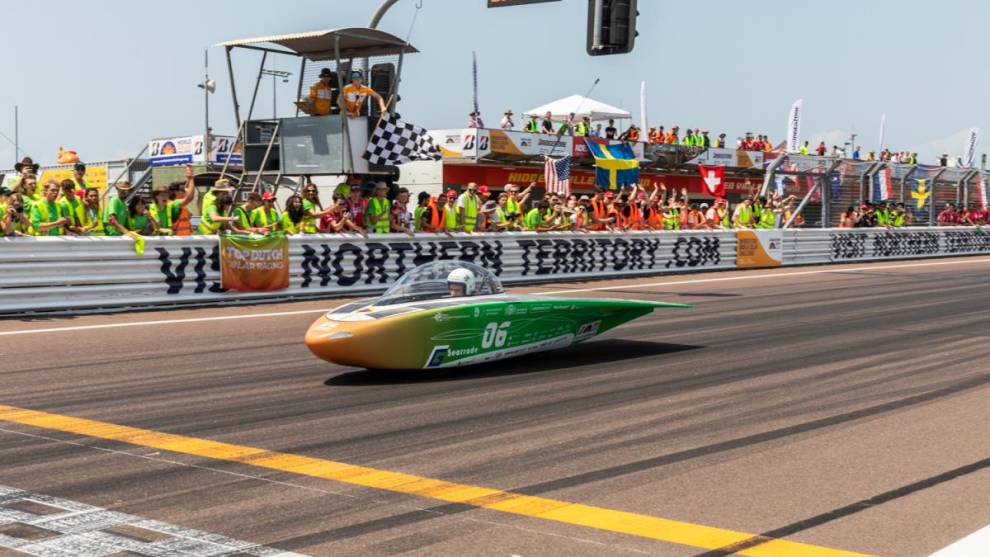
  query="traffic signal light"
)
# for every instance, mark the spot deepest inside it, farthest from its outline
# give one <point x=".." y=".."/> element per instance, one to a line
<point x="611" y="26"/>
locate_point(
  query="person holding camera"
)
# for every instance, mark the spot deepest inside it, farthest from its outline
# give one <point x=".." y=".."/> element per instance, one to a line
<point x="15" y="221"/>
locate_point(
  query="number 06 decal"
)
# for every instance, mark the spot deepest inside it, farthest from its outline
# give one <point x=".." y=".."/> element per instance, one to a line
<point x="495" y="334"/>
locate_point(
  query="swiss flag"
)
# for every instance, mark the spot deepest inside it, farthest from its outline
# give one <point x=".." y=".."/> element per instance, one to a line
<point x="713" y="178"/>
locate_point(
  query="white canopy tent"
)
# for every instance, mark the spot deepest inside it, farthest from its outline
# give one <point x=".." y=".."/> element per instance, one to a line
<point x="581" y="106"/>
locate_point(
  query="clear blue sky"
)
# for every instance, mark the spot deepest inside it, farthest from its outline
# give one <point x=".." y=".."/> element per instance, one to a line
<point x="104" y="77"/>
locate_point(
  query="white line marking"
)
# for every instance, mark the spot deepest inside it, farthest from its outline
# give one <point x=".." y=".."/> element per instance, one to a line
<point x="974" y="545"/>
<point x="162" y="322"/>
<point x="551" y="293"/>
<point x="79" y="529"/>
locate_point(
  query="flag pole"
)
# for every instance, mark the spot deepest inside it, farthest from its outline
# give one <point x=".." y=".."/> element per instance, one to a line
<point x="576" y="111"/>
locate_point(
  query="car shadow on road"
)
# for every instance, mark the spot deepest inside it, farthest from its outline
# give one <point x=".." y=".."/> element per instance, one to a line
<point x="606" y="351"/>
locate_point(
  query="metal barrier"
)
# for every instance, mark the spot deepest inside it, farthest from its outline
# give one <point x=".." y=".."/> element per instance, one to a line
<point x="49" y="274"/>
<point x="68" y="274"/>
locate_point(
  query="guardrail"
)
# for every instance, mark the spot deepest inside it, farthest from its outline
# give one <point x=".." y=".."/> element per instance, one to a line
<point x="86" y="274"/>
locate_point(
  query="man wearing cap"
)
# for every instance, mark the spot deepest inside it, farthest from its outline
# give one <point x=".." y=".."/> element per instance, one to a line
<point x="532" y="126"/>
<point x="79" y="177"/>
<point x="448" y="211"/>
<point x="321" y="94"/>
<point x="467" y="206"/>
<point x="356" y="92"/>
<point x="379" y="210"/>
<point x="266" y="216"/>
<point x="115" y="214"/>
<point x="704" y="140"/>
<point x="475" y="121"/>
<point x="507" y="123"/>
<point x="166" y="211"/>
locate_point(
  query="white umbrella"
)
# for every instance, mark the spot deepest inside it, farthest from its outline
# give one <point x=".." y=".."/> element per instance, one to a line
<point x="581" y="106"/>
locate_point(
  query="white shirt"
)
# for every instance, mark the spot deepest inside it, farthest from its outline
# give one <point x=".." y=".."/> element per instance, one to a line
<point x="461" y="201"/>
<point x="507" y="123"/>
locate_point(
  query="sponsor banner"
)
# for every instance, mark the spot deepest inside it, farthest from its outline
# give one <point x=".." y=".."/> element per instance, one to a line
<point x="96" y="176"/>
<point x="732" y="158"/>
<point x="173" y="151"/>
<point x="176" y="150"/>
<point x="759" y="248"/>
<point x="224" y="147"/>
<point x="450" y="142"/>
<point x="794" y="126"/>
<point x="582" y="181"/>
<point x="250" y="264"/>
<point x="470" y="143"/>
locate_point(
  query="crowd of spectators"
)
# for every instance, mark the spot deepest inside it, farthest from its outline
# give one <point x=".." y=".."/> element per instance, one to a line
<point x="584" y="127"/>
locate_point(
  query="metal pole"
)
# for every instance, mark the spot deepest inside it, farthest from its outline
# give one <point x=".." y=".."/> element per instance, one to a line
<point x="827" y="194"/>
<point x="931" y="196"/>
<point x="206" y="99"/>
<point x="302" y="71"/>
<point x="800" y="207"/>
<point x="380" y="12"/>
<point x="17" y="132"/>
<point x="233" y="90"/>
<point x="345" y="118"/>
<point x="771" y="170"/>
<point x="257" y="82"/>
<point x="274" y="98"/>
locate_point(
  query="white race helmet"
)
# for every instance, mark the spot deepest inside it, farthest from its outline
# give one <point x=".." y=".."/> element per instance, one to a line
<point x="464" y="278"/>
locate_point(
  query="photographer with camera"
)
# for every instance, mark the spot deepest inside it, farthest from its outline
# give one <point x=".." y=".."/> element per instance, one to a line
<point x="14" y="221"/>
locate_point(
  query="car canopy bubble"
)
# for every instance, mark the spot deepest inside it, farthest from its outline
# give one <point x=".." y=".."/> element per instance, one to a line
<point x="430" y="281"/>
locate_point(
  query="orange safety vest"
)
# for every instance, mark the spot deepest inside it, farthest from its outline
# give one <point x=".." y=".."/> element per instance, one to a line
<point x="600" y="212"/>
<point x="633" y="135"/>
<point x="635" y="219"/>
<point x="435" y="216"/>
<point x="182" y="225"/>
<point x="619" y="221"/>
<point x="655" y="220"/>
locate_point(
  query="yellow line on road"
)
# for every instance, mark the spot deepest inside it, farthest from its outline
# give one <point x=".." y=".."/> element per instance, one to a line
<point x="643" y="526"/>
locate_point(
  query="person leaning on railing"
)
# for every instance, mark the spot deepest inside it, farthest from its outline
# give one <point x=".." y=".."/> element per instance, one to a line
<point x="47" y="217"/>
<point x="266" y="216"/>
<point x="115" y="211"/>
<point x="242" y="216"/>
<point x="293" y="218"/>
<point x="139" y="219"/>
<point x="214" y="219"/>
<point x="70" y="204"/>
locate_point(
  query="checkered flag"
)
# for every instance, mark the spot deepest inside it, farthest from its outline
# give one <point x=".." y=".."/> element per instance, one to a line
<point x="396" y="142"/>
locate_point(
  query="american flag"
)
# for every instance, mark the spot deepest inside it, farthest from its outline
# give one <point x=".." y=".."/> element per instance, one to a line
<point x="558" y="175"/>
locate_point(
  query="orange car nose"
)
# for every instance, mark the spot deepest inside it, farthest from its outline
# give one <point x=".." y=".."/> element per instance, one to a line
<point x="322" y="335"/>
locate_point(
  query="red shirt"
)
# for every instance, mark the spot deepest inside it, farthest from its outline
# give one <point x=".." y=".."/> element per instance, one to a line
<point x="328" y="219"/>
<point x="357" y="210"/>
<point x="948" y="217"/>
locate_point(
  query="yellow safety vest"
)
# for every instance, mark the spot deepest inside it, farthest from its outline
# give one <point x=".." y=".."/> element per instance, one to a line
<point x="470" y="213"/>
<point x="380" y="207"/>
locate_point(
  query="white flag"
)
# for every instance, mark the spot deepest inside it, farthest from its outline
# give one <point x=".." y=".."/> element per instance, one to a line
<point x="970" y="152"/>
<point x="643" y="119"/>
<point x="883" y="128"/>
<point x="794" y="126"/>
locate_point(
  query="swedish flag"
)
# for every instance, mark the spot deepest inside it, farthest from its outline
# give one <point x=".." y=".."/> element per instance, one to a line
<point x="616" y="165"/>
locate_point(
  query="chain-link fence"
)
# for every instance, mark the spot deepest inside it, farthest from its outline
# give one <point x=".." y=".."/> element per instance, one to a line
<point x="827" y="187"/>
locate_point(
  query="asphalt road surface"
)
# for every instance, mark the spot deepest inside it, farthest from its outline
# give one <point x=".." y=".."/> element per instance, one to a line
<point x="846" y="408"/>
